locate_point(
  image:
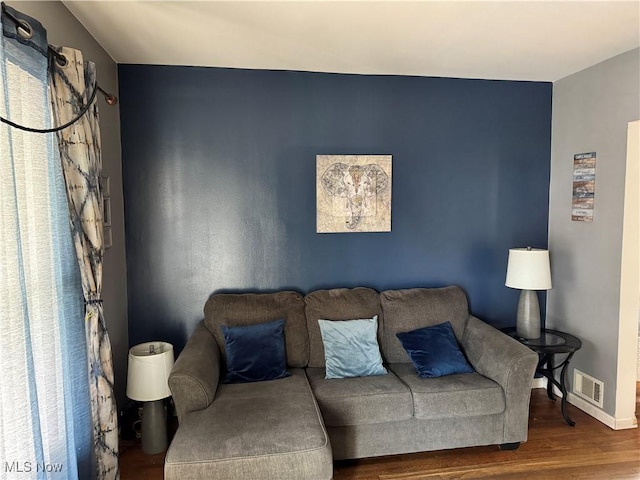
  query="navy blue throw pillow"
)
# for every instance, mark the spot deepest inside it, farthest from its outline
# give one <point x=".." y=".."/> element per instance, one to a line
<point x="434" y="351"/>
<point x="255" y="353"/>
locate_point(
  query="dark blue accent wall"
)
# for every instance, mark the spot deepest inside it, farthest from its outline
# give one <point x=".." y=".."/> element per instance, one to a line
<point x="219" y="184"/>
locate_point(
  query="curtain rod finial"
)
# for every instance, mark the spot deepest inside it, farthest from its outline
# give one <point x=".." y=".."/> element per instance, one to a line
<point x="111" y="99"/>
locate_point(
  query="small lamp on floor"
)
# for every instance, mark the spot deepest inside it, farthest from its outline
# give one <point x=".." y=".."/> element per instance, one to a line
<point x="147" y="381"/>
<point x="528" y="269"/>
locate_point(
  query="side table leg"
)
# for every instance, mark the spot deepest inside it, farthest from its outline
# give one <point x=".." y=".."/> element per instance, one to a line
<point x="549" y="368"/>
<point x="563" y="389"/>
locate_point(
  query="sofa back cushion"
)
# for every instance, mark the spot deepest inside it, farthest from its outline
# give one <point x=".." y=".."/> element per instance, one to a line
<point x="234" y="310"/>
<point x="406" y="310"/>
<point x="338" y="304"/>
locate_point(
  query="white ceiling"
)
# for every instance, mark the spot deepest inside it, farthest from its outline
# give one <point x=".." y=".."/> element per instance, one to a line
<point x="516" y="40"/>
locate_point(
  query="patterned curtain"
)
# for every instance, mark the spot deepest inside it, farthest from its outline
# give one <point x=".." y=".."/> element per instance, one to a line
<point x="71" y="88"/>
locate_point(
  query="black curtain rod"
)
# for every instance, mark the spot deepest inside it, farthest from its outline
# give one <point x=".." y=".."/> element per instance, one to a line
<point x="23" y="29"/>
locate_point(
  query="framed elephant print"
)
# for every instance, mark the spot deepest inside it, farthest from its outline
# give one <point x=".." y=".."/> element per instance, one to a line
<point x="353" y="193"/>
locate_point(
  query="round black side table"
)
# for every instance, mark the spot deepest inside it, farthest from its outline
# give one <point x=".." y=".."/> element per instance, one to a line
<point x="551" y="343"/>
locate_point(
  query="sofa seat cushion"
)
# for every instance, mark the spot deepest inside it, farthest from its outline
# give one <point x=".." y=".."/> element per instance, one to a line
<point x="261" y="431"/>
<point x="360" y="400"/>
<point x="460" y="395"/>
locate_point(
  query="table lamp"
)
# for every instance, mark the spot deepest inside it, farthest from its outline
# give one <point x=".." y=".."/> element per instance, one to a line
<point x="147" y="381"/>
<point x="528" y="269"/>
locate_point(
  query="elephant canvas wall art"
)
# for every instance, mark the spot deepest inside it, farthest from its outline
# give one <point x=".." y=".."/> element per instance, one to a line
<point x="353" y="193"/>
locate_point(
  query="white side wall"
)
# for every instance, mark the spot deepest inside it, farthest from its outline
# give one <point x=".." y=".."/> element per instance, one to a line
<point x="591" y="112"/>
<point x="630" y="279"/>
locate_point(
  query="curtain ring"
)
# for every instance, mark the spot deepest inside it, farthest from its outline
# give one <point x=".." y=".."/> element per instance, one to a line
<point x="61" y="60"/>
<point x="24" y="29"/>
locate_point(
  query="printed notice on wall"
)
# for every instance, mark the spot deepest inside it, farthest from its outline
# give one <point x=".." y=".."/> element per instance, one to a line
<point x="584" y="187"/>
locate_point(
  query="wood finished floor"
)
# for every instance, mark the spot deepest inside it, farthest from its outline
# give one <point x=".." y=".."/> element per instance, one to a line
<point x="590" y="450"/>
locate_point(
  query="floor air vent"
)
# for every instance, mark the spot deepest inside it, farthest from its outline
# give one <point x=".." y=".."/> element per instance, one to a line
<point x="588" y="387"/>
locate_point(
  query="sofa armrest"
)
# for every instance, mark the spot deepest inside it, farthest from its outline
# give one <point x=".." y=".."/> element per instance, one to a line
<point x="503" y="359"/>
<point x="194" y="378"/>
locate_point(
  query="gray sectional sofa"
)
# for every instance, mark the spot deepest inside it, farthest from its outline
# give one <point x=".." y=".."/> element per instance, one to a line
<point x="293" y="428"/>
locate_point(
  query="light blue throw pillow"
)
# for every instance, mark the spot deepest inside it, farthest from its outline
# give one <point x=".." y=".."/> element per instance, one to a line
<point x="351" y="348"/>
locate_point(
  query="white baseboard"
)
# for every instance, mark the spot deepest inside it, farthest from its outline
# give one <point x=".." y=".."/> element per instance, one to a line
<point x="611" y="422"/>
<point x="589" y="409"/>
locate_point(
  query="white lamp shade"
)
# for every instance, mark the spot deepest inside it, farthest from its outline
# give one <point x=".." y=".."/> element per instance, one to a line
<point x="149" y="367"/>
<point x="528" y="269"/>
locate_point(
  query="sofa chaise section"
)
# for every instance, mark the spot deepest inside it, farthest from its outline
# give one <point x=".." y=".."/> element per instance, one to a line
<point x="258" y="430"/>
<point x="265" y="430"/>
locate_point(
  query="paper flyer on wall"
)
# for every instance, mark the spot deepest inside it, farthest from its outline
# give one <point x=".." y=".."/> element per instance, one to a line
<point x="584" y="186"/>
